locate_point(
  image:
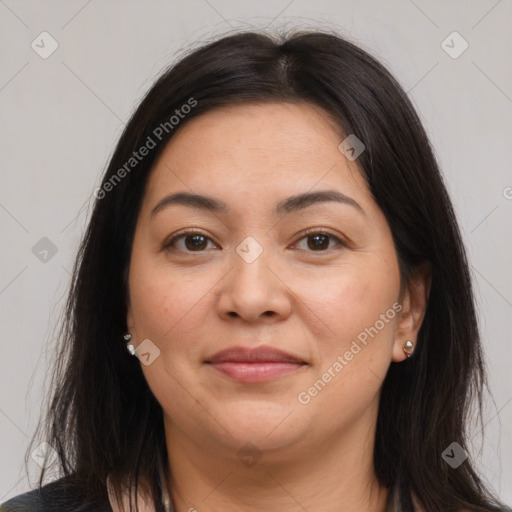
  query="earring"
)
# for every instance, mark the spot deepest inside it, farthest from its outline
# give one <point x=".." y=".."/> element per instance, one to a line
<point x="129" y="346"/>
<point x="408" y="348"/>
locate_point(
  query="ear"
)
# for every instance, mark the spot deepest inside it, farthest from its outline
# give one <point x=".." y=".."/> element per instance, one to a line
<point x="129" y="317"/>
<point x="130" y="326"/>
<point x="129" y="311"/>
<point x="414" y="304"/>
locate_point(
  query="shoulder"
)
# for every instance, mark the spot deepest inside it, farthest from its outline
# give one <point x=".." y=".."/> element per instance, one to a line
<point x="29" y="501"/>
<point x="57" y="496"/>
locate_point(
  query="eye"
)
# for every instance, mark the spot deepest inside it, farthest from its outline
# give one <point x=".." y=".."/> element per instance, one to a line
<point x="192" y="242"/>
<point x="318" y="241"/>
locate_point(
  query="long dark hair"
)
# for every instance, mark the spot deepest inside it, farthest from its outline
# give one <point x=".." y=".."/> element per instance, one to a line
<point x="103" y="419"/>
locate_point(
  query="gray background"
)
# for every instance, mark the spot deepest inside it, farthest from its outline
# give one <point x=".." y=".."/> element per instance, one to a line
<point x="61" y="117"/>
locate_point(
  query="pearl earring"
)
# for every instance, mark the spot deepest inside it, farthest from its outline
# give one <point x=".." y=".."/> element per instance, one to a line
<point x="129" y="346"/>
<point x="408" y="348"/>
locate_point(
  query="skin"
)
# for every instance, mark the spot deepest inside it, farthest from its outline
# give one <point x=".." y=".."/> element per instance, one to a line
<point x="310" y="302"/>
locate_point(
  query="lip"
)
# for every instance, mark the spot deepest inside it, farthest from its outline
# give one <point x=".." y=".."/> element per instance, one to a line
<point x="261" y="354"/>
<point x="260" y="364"/>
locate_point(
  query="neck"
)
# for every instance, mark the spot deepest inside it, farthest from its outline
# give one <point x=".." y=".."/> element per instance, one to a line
<point x="332" y="476"/>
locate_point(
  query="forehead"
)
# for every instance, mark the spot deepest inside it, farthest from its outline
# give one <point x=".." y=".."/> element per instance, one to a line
<point x="253" y="152"/>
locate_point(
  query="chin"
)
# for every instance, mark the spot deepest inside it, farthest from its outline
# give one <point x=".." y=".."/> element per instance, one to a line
<point x="268" y="426"/>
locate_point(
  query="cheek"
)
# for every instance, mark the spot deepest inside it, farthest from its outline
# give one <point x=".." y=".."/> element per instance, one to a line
<point x="359" y="305"/>
<point x="170" y="308"/>
<point x="163" y="299"/>
<point x="342" y="301"/>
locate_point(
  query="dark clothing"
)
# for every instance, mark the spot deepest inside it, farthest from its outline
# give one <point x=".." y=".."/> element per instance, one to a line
<point x="57" y="496"/>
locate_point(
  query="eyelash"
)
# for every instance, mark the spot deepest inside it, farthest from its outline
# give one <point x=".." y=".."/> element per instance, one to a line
<point x="308" y="233"/>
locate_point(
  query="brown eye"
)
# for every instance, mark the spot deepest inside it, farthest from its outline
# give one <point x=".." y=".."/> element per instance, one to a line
<point x="189" y="242"/>
<point x="318" y="241"/>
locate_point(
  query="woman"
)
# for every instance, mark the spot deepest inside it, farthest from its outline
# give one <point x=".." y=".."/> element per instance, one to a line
<point x="271" y="308"/>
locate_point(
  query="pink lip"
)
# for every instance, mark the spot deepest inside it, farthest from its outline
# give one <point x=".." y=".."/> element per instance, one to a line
<point x="260" y="364"/>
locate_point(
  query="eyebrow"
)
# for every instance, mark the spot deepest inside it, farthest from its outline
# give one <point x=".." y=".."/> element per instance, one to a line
<point x="289" y="205"/>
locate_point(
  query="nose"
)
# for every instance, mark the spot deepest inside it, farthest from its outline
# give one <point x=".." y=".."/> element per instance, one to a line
<point x="253" y="289"/>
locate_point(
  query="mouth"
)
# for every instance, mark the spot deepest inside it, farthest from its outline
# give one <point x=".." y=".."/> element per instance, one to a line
<point x="256" y="365"/>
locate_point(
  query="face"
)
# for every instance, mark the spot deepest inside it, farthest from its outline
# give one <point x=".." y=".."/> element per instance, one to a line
<point x="317" y="279"/>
